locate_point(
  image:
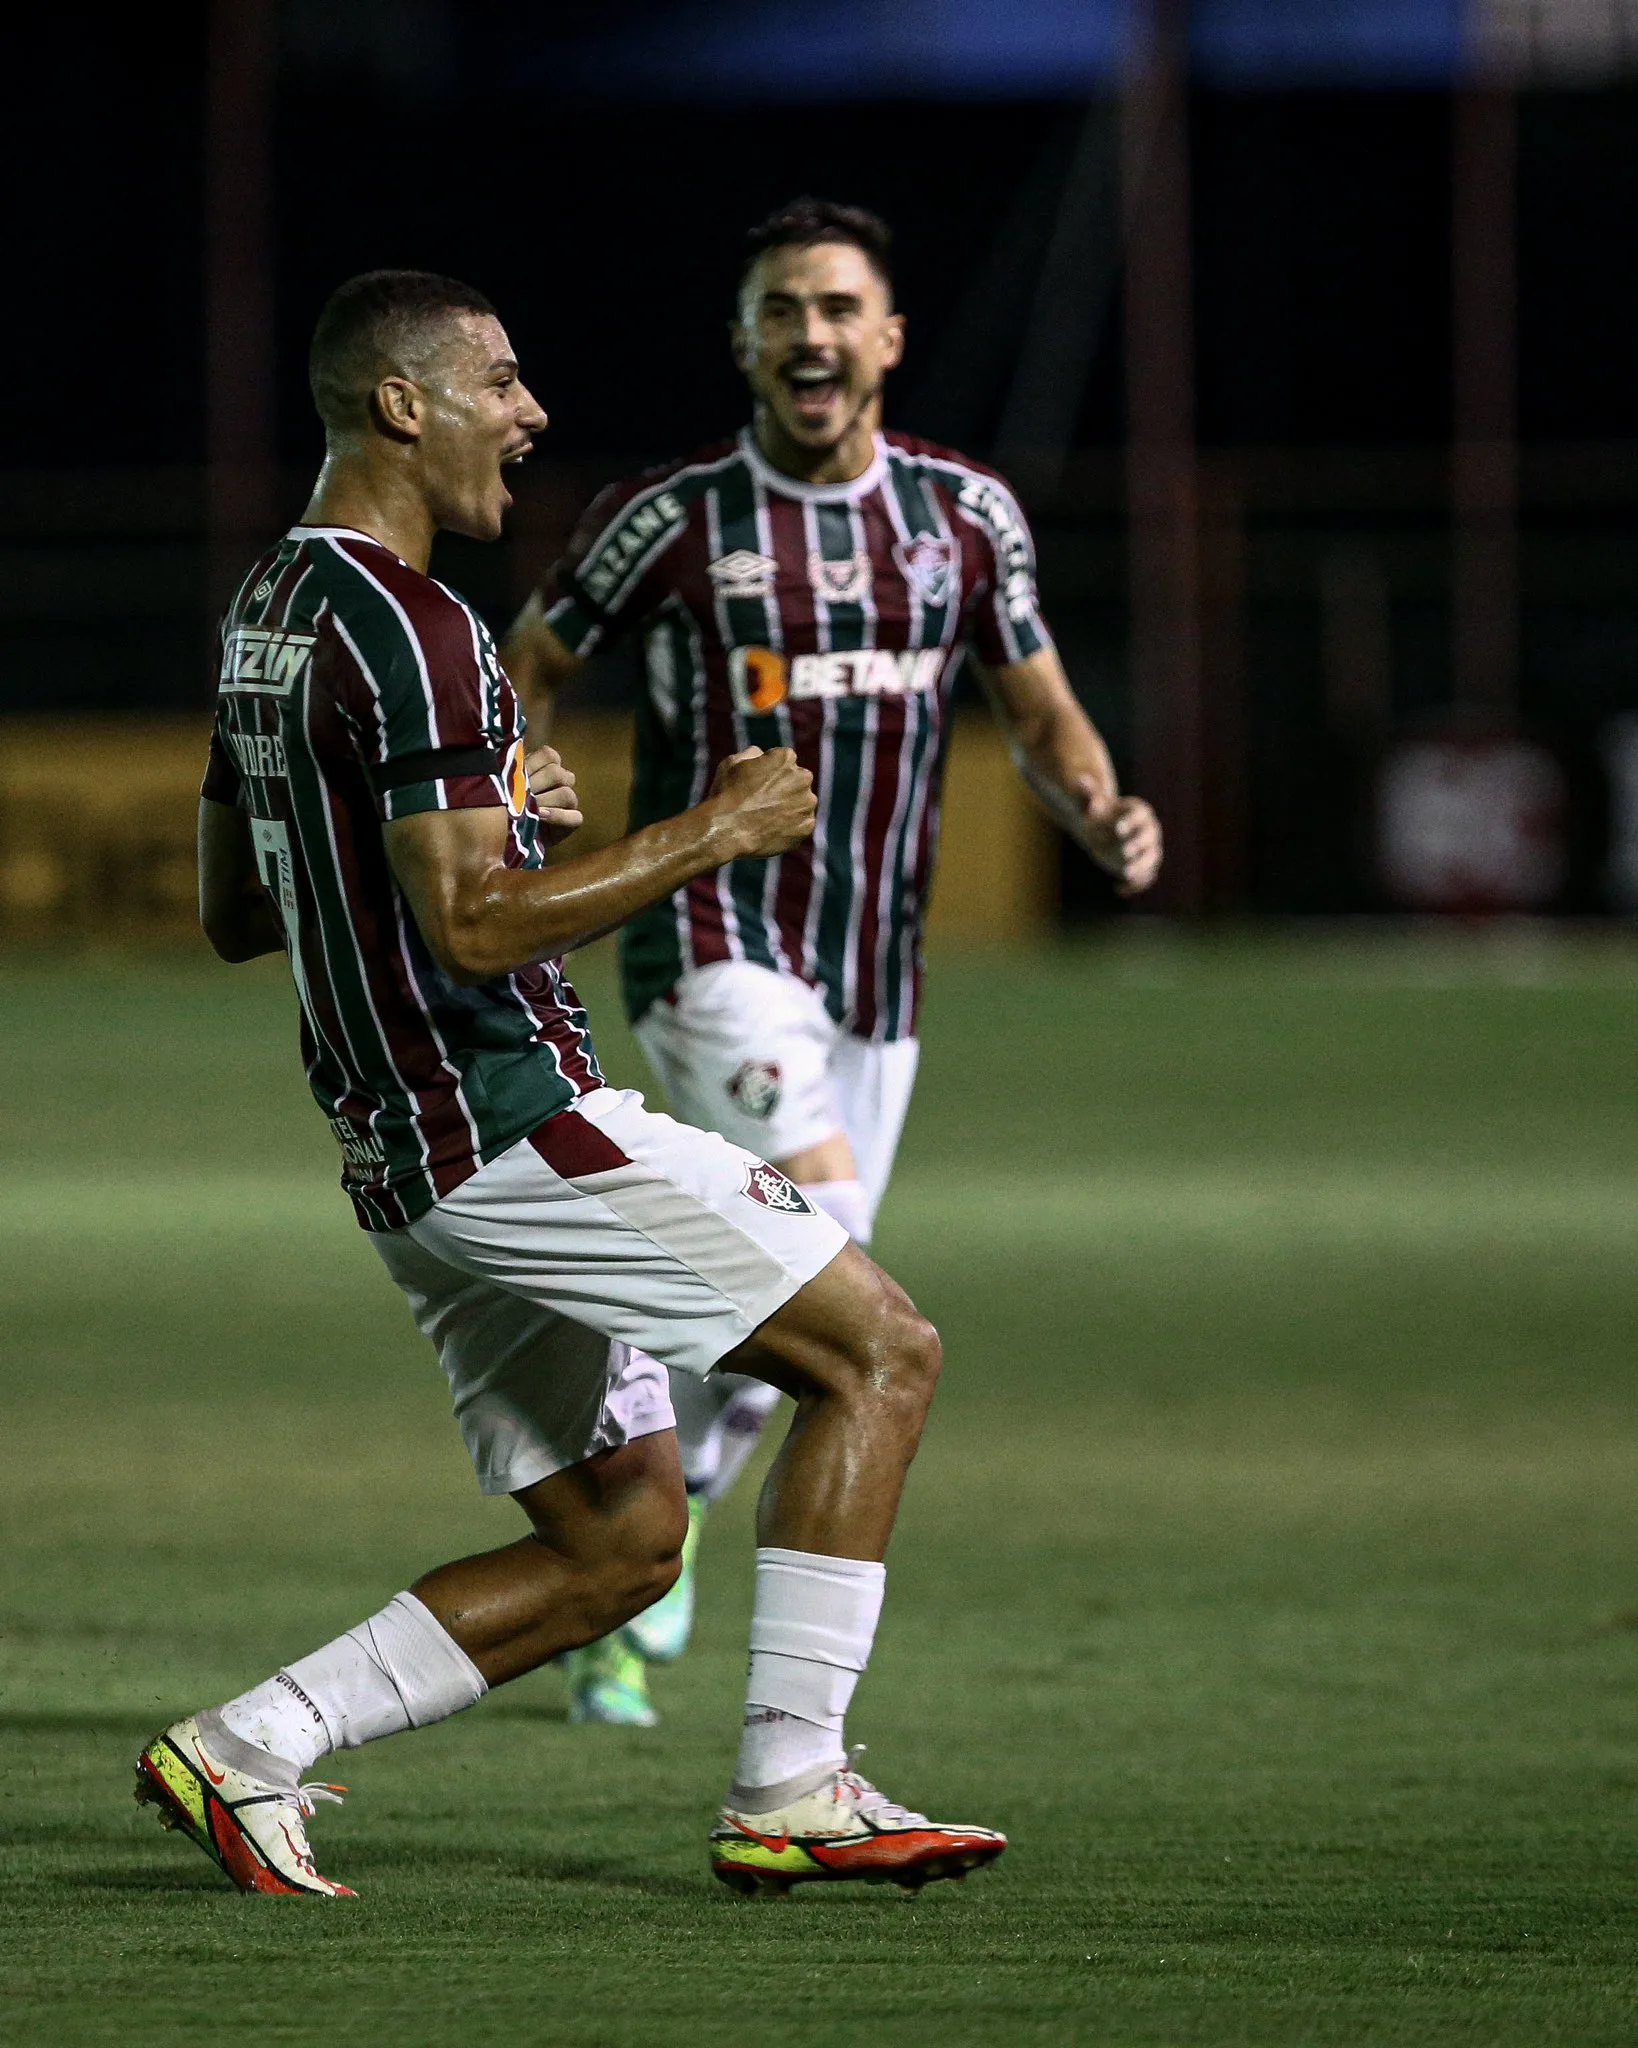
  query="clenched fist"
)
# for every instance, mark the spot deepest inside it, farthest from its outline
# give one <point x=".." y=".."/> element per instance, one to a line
<point x="768" y="799"/>
<point x="552" y="786"/>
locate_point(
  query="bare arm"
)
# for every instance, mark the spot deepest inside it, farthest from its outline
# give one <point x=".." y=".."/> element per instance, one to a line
<point x="482" y="918"/>
<point x="1061" y="755"/>
<point x="539" y="665"/>
<point x="234" y="908"/>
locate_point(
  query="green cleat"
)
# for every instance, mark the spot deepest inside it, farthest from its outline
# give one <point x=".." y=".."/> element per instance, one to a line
<point x="607" y="1683"/>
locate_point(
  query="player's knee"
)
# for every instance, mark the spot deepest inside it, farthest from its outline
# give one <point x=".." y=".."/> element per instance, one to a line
<point x="647" y="1560"/>
<point x="918" y="1358"/>
<point x="896" y="1360"/>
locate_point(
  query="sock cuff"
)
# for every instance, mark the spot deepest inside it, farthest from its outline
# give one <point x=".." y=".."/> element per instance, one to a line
<point x="847" y="1201"/>
<point x="857" y="1570"/>
<point x="822" y="1610"/>
<point x="432" y="1675"/>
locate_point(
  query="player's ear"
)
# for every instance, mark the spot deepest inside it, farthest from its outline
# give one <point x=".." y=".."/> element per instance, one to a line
<point x="399" y="407"/>
<point x="739" y="344"/>
<point x="893" y="354"/>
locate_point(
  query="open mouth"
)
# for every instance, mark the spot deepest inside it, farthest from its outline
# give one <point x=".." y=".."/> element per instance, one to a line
<point x="509" y="461"/>
<point x="814" y="389"/>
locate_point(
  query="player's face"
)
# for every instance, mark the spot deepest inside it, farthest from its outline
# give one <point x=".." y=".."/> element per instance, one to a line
<point x="816" y="335"/>
<point x="479" y="415"/>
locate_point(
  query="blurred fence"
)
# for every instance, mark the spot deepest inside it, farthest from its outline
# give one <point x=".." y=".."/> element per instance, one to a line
<point x="1326" y="617"/>
<point x="97" y="820"/>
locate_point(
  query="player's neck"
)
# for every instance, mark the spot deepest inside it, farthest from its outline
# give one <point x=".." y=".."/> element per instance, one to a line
<point x="844" y="460"/>
<point x="352" y="491"/>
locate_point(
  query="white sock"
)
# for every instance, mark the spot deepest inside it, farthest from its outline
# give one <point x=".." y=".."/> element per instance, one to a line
<point x="811" y="1631"/>
<point x="847" y="1201"/>
<point x="400" y="1669"/>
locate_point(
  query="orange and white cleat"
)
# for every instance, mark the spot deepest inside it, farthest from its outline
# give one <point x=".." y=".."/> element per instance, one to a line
<point x="243" y="1807"/>
<point x="842" y="1827"/>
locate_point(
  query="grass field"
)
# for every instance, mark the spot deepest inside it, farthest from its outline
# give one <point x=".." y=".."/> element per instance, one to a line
<point x="1269" y="1572"/>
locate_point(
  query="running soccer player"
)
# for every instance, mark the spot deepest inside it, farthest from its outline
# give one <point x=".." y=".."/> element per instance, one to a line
<point x="812" y="584"/>
<point x="367" y="809"/>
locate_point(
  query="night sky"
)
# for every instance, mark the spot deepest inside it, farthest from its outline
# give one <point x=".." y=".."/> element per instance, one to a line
<point x="608" y="238"/>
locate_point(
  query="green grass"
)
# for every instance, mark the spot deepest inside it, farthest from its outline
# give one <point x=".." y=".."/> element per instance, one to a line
<point x="1269" y="1572"/>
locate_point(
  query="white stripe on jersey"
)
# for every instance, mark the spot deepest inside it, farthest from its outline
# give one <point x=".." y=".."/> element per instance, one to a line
<point x="867" y="782"/>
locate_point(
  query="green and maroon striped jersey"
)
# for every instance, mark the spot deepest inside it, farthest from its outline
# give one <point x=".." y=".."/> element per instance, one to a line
<point x="353" y="690"/>
<point x="829" y="618"/>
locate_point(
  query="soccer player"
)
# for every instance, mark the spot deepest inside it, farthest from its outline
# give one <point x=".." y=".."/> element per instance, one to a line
<point x="367" y="809"/>
<point x="811" y="584"/>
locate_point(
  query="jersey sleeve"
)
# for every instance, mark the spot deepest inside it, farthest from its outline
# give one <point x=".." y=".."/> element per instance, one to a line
<point x="221" y="784"/>
<point x="1004" y="622"/>
<point x="608" y="580"/>
<point x="222" y="781"/>
<point x="437" y="722"/>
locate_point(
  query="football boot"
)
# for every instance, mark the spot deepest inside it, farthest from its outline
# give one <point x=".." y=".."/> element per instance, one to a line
<point x="608" y="1683"/>
<point x="242" y="1806"/>
<point x="839" y="1826"/>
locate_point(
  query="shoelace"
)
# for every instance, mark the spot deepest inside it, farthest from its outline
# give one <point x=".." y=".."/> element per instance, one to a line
<point x="305" y="1797"/>
<point x="875" y="1805"/>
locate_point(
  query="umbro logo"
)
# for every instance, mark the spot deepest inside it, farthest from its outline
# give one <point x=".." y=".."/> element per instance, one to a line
<point x="743" y="574"/>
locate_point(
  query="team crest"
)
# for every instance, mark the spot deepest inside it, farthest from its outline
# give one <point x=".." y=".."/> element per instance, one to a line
<point x="756" y="1087"/>
<point x="929" y="564"/>
<point x="767" y="1185"/>
<point x="841" y="582"/>
<point x="743" y="574"/>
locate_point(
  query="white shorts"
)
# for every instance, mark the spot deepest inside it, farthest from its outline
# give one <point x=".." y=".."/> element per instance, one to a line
<point x="757" y="1056"/>
<point x="607" y="1232"/>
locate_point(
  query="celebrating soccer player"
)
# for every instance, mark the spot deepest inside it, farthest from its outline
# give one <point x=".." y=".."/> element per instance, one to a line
<point x="812" y="584"/>
<point x="367" y="809"/>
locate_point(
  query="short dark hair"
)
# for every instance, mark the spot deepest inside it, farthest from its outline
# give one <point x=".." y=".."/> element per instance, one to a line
<point x="807" y="220"/>
<point x="373" y="325"/>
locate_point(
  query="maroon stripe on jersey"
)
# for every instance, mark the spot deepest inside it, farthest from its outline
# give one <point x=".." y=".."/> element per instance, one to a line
<point x="574" y="1148"/>
<point x="443" y="632"/>
<point x="546" y="995"/>
<point x="797" y="612"/>
<point x="926" y="843"/>
<point x="793" y="892"/>
<point x="891" y="716"/>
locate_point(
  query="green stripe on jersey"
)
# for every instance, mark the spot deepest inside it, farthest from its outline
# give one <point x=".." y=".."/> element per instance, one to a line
<point x="735" y="495"/>
<point x="662" y="784"/>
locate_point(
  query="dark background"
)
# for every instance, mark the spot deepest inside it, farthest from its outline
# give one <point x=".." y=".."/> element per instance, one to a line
<point x="607" y="230"/>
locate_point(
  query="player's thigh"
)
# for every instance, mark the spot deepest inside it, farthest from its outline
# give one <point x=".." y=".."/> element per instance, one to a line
<point x="746" y="1052"/>
<point x="658" y="1235"/>
<point x="851" y="1329"/>
<point x="534" y="1392"/>
<point x="873" y="1085"/>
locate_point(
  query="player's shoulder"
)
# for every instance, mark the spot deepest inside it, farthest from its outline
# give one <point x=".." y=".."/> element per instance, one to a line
<point x="375" y="594"/>
<point x="683" y="479"/>
<point x="916" y="453"/>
